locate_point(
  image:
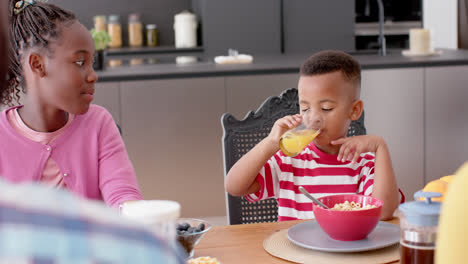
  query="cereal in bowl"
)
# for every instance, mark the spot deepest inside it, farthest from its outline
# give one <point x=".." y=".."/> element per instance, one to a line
<point x="203" y="260"/>
<point x="351" y="206"/>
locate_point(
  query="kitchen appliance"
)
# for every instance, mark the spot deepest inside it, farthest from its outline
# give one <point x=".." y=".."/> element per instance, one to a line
<point x="395" y="10"/>
<point x="399" y="17"/>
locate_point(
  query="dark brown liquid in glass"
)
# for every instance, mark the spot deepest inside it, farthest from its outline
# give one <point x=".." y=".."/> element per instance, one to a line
<point x="416" y="256"/>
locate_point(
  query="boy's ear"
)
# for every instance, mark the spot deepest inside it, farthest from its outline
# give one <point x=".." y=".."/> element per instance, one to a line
<point x="356" y="110"/>
<point x="36" y="64"/>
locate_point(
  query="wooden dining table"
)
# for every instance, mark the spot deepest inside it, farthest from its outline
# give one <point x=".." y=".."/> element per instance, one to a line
<point x="234" y="244"/>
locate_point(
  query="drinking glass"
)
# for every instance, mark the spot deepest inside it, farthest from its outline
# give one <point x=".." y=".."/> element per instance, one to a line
<point x="157" y="215"/>
<point x="293" y="141"/>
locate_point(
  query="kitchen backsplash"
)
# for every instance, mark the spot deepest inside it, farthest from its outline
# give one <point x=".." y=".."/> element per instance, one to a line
<point x="159" y="12"/>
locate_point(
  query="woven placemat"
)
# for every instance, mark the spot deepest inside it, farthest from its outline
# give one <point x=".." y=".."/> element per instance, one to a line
<point x="278" y="245"/>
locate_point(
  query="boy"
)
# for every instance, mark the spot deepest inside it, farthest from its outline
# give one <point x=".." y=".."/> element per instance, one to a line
<point x="329" y="83"/>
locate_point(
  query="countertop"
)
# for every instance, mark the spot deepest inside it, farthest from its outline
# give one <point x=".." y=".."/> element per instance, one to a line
<point x="274" y="64"/>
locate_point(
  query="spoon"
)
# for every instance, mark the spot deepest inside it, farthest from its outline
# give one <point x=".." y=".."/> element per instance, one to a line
<point x="311" y="197"/>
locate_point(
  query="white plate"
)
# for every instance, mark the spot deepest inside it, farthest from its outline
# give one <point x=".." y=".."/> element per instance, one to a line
<point x="430" y="53"/>
<point x="310" y="235"/>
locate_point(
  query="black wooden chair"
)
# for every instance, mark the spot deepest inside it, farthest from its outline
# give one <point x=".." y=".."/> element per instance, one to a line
<point x="118" y="127"/>
<point x="242" y="135"/>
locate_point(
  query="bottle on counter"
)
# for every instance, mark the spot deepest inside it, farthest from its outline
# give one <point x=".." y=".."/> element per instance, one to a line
<point x="100" y="23"/>
<point x="135" y="30"/>
<point x="114" y="28"/>
<point x="151" y="35"/>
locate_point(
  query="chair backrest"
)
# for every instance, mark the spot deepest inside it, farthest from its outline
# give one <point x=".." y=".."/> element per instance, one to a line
<point x="242" y="135"/>
<point x="119" y="128"/>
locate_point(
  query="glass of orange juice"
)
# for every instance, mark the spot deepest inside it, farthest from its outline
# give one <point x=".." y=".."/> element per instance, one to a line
<point x="293" y="141"/>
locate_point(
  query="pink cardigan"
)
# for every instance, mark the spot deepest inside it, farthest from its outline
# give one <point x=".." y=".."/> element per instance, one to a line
<point x="90" y="153"/>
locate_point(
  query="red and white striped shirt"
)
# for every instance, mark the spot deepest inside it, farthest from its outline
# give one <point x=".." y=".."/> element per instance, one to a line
<point x="318" y="172"/>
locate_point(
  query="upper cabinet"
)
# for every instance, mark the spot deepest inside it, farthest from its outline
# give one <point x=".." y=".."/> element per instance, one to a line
<point x="275" y="26"/>
<point x="245" y="25"/>
<point x="311" y="26"/>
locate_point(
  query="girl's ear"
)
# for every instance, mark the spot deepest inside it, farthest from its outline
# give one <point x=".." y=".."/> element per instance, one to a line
<point x="356" y="110"/>
<point x="36" y="64"/>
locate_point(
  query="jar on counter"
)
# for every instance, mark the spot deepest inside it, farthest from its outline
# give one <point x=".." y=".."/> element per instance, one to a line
<point x="100" y="23"/>
<point x="114" y="28"/>
<point x="151" y="35"/>
<point x="185" y="27"/>
<point x="418" y="222"/>
<point x="135" y="31"/>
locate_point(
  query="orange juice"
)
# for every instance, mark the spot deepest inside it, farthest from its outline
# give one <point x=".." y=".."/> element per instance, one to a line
<point x="293" y="142"/>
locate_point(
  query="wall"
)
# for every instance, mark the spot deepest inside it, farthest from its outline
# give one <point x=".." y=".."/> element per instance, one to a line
<point x="159" y="12"/>
<point x="440" y="16"/>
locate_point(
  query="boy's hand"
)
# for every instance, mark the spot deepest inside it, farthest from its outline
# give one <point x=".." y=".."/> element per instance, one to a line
<point x="282" y="125"/>
<point x="352" y="147"/>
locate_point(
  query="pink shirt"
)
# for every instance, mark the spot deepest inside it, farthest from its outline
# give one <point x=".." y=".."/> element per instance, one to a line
<point x="51" y="174"/>
<point x="90" y="153"/>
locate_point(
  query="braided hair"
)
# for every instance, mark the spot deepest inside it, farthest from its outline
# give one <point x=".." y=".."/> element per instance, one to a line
<point x="3" y="44"/>
<point x="34" y="27"/>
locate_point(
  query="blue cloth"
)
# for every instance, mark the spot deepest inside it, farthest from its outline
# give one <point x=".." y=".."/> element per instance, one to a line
<point x="40" y="225"/>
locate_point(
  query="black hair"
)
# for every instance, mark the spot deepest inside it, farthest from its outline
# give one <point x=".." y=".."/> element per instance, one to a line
<point x="3" y="45"/>
<point x="328" y="61"/>
<point x="35" y="26"/>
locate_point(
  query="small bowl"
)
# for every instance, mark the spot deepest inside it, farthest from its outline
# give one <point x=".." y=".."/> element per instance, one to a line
<point x="348" y="225"/>
<point x="189" y="237"/>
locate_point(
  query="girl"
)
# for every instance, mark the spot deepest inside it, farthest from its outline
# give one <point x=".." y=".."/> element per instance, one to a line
<point x="57" y="137"/>
<point x="3" y="44"/>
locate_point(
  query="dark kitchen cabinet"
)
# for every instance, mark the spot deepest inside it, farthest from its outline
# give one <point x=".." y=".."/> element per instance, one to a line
<point x="311" y="25"/>
<point x="245" y="25"/>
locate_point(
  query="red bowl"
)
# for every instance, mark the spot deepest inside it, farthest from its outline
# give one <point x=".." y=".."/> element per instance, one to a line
<point x="348" y="225"/>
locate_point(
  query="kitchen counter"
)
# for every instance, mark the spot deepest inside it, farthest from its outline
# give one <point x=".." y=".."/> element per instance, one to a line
<point x="273" y="64"/>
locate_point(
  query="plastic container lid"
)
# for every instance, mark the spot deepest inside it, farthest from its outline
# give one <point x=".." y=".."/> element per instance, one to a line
<point x="151" y="26"/>
<point x="151" y="211"/>
<point x="184" y="16"/>
<point x="422" y="213"/>
<point x="114" y="19"/>
<point x="100" y="17"/>
<point x="134" y="18"/>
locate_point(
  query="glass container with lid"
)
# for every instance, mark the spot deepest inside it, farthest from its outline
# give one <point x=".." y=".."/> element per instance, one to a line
<point x="100" y="23"/>
<point x="114" y="28"/>
<point x="135" y="30"/>
<point x="418" y="222"/>
<point x="151" y="35"/>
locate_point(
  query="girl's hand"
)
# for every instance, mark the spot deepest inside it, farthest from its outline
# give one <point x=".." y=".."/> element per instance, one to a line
<point x="352" y="147"/>
<point x="282" y="125"/>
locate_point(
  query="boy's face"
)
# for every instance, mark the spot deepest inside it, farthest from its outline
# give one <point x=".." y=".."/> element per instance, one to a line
<point x="335" y="98"/>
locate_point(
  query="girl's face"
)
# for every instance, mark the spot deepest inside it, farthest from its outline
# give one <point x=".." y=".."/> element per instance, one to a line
<point x="69" y="77"/>
<point x="334" y="97"/>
